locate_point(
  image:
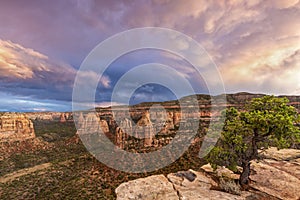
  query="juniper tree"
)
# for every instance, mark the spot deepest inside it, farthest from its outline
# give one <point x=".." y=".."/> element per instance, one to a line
<point x="266" y="121"/>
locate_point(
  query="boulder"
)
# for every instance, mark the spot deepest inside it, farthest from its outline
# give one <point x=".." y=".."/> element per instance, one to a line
<point x="153" y="187"/>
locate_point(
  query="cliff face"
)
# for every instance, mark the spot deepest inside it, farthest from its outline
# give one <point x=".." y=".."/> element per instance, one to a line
<point x="15" y="126"/>
<point x="146" y="125"/>
<point x="50" y="116"/>
<point x="236" y="100"/>
<point x="155" y="124"/>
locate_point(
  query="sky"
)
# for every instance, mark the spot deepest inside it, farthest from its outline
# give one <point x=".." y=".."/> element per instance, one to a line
<point x="255" y="45"/>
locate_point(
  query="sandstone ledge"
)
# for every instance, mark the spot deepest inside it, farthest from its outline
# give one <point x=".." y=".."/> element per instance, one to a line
<point x="277" y="177"/>
<point x="176" y="186"/>
<point x="152" y="187"/>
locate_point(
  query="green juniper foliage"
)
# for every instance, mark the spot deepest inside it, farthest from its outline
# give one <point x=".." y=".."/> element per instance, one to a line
<point x="266" y="121"/>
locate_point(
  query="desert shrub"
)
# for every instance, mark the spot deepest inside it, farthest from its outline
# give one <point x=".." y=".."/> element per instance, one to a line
<point x="63" y="130"/>
<point x="230" y="186"/>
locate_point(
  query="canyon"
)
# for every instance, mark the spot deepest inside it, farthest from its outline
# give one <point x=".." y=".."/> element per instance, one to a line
<point x="150" y="124"/>
<point x="274" y="178"/>
<point x="155" y="124"/>
<point x="49" y="139"/>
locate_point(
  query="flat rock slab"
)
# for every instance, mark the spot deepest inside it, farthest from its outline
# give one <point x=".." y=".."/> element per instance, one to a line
<point x="291" y="167"/>
<point x="155" y="187"/>
<point x="282" y="154"/>
<point x="199" y="188"/>
<point x="274" y="179"/>
<point x="185" y="185"/>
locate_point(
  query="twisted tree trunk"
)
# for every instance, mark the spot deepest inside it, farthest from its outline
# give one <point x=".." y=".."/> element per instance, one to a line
<point x="244" y="177"/>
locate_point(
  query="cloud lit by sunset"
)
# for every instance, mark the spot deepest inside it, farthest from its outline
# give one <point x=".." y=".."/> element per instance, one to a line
<point x="254" y="44"/>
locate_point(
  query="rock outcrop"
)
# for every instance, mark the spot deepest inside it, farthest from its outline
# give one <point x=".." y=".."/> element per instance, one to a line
<point x="279" y="174"/>
<point x="153" y="187"/>
<point x="144" y="129"/>
<point x="150" y="126"/>
<point x="277" y="177"/>
<point x="63" y="118"/>
<point x="176" y="186"/>
<point x="91" y="123"/>
<point x="50" y="116"/>
<point x="15" y="126"/>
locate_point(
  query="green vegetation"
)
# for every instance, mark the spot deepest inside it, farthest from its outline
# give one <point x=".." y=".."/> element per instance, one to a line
<point x="229" y="185"/>
<point x="267" y="121"/>
<point x="66" y="129"/>
<point x="74" y="173"/>
<point x="34" y="152"/>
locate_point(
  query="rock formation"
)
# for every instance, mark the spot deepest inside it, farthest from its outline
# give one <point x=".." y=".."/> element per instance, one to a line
<point x="90" y="123"/>
<point x="63" y="118"/>
<point x="278" y="174"/>
<point x="144" y="129"/>
<point x="151" y="124"/>
<point x="50" y="116"/>
<point x="182" y="185"/>
<point x="104" y="126"/>
<point x="120" y="138"/>
<point x="277" y="177"/>
<point x="154" y="187"/>
<point x="15" y="126"/>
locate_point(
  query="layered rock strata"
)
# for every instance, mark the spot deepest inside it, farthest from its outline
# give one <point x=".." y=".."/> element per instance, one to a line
<point x="15" y="126"/>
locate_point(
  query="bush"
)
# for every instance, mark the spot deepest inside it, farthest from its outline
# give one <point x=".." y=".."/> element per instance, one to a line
<point x="230" y="186"/>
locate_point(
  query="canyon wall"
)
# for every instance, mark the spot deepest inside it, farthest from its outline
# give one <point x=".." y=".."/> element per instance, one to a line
<point x="139" y="126"/>
<point x="148" y="125"/>
<point x="50" y="116"/>
<point x="15" y="126"/>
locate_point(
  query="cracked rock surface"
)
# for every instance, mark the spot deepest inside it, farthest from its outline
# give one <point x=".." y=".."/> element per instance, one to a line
<point x="276" y="177"/>
<point x="188" y="185"/>
<point x="149" y="188"/>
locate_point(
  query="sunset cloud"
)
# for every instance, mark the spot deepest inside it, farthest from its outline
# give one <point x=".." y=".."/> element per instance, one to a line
<point x="255" y="44"/>
<point x="30" y="70"/>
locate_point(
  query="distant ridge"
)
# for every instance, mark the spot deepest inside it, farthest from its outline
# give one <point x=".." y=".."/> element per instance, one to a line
<point x="232" y="98"/>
